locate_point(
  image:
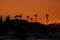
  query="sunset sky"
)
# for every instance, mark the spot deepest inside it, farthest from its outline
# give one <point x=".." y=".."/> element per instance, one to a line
<point x="31" y="7"/>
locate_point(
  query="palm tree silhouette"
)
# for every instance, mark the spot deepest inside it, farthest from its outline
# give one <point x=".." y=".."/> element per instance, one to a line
<point x="36" y="17"/>
<point x="20" y="16"/>
<point x="31" y="19"/>
<point x="16" y="16"/>
<point x="47" y="18"/>
<point x="28" y="18"/>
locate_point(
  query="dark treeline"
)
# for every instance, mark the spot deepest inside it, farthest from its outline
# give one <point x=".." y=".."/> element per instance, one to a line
<point x="21" y="27"/>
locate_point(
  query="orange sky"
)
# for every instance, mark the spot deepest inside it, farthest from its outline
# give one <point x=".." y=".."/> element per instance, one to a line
<point x="31" y="7"/>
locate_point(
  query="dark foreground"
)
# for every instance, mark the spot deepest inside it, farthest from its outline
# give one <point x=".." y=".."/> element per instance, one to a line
<point x="33" y="36"/>
<point x="22" y="29"/>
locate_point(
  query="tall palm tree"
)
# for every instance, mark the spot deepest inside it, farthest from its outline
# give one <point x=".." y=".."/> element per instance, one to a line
<point x="28" y="18"/>
<point x="47" y="18"/>
<point x="36" y="19"/>
<point x="20" y="16"/>
<point x="31" y="19"/>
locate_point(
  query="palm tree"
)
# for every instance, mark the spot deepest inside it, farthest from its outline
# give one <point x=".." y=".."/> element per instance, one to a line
<point x="16" y="16"/>
<point x="31" y="19"/>
<point x="28" y="18"/>
<point x="20" y="16"/>
<point x="36" y="17"/>
<point x="47" y="18"/>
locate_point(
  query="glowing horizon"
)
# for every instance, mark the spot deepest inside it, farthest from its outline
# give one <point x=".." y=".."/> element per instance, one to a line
<point x="31" y="7"/>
